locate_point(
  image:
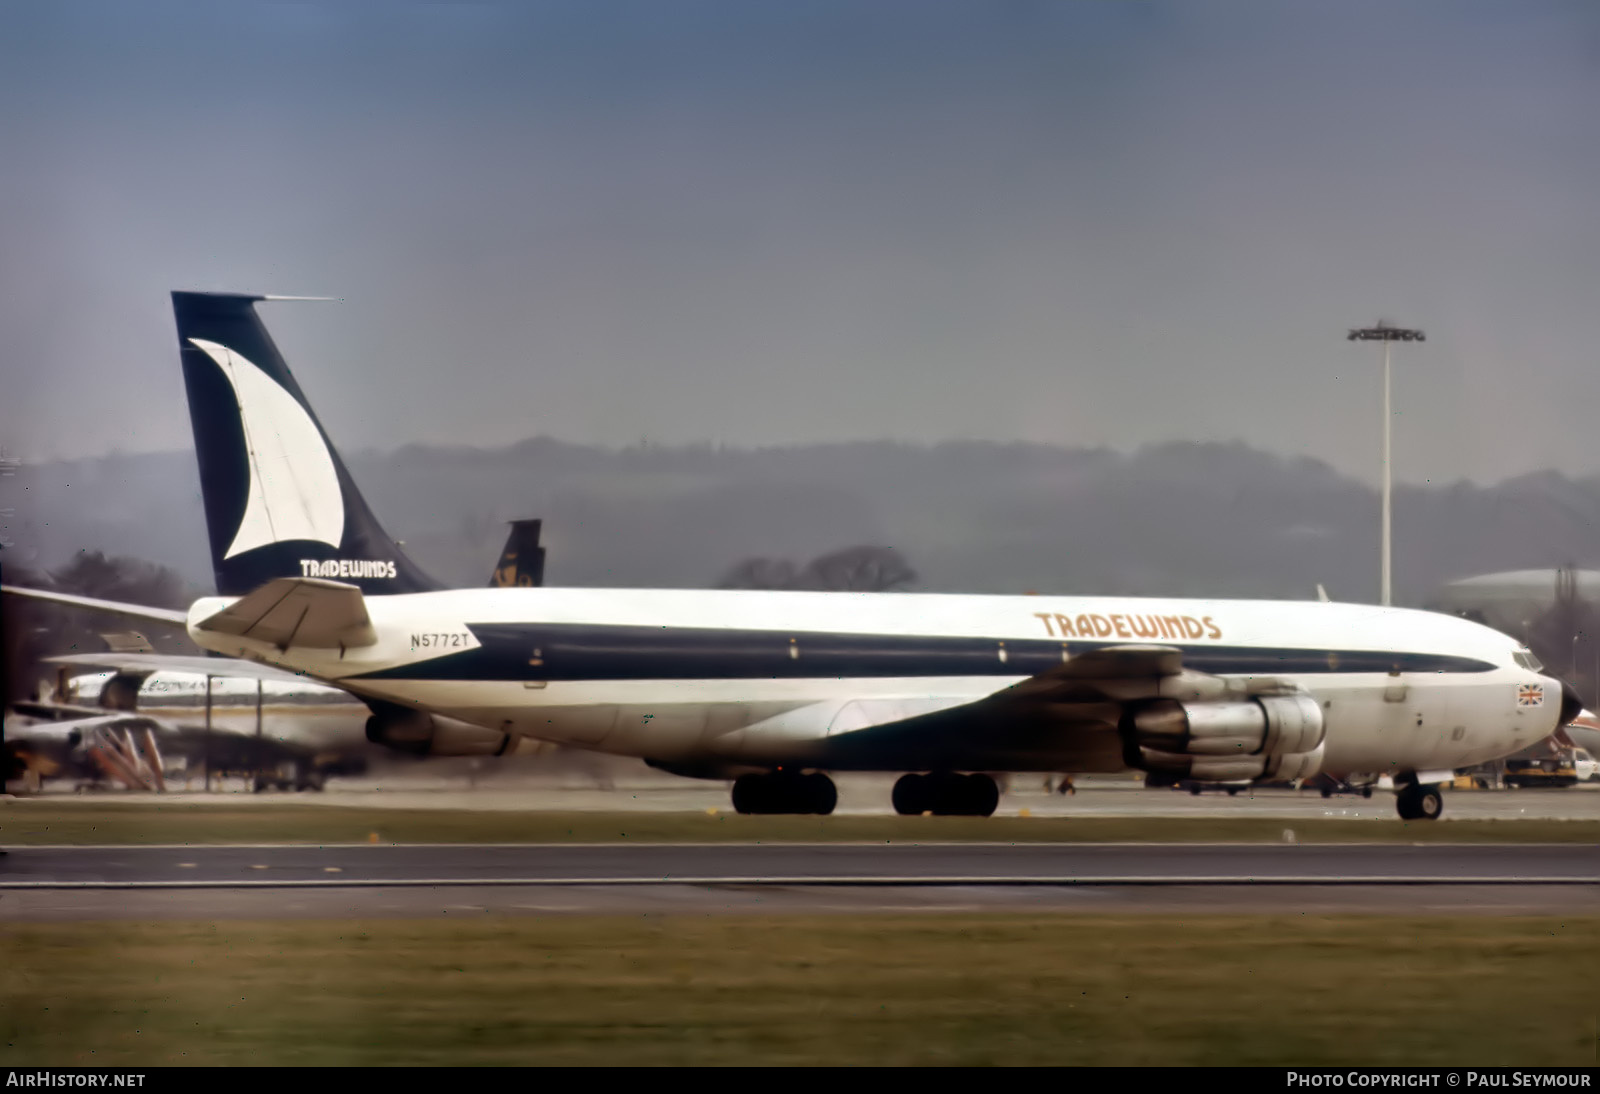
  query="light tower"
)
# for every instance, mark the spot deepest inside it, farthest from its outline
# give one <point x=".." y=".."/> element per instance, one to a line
<point x="1388" y="334"/>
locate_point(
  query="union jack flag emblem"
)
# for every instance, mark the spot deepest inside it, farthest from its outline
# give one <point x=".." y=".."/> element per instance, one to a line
<point x="1530" y="695"/>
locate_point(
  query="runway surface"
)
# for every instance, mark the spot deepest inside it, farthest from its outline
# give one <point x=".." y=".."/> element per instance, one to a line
<point x="795" y="864"/>
<point x="108" y="883"/>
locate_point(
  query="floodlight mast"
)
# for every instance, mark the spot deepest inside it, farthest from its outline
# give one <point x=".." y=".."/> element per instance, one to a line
<point x="1388" y="334"/>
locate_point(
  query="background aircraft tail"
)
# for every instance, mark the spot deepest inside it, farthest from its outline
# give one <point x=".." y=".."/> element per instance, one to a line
<point x="522" y="561"/>
<point x="279" y="501"/>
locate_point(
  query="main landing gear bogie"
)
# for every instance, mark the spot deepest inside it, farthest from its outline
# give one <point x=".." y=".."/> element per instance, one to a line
<point x="785" y="792"/>
<point x="946" y="794"/>
<point x="1418" y="802"/>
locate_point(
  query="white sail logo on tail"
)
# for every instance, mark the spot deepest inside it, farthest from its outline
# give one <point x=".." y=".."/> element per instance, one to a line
<point x="294" y="489"/>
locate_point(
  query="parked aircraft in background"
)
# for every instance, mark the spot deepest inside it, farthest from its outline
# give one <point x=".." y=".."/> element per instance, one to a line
<point x="144" y="748"/>
<point x="277" y="728"/>
<point x="521" y="563"/>
<point x="1515" y="600"/>
<point x="780" y="688"/>
<point x="117" y="748"/>
<point x="1583" y="732"/>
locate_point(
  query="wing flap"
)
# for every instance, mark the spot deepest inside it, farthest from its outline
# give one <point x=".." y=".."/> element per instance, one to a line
<point x="298" y="611"/>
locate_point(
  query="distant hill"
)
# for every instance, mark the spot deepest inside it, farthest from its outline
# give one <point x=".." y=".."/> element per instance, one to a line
<point x="1177" y="519"/>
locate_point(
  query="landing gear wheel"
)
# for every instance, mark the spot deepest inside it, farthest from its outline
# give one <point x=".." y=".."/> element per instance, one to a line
<point x="785" y="792"/>
<point x="982" y="797"/>
<point x="1420" y="803"/>
<point x="747" y="796"/>
<point x="822" y="793"/>
<point x="910" y="795"/>
<point x="946" y="795"/>
<point x="1327" y="792"/>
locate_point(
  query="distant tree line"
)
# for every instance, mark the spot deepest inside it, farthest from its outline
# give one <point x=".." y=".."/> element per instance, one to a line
<point x="32" y="630"/>
<point x="861" y="569"/>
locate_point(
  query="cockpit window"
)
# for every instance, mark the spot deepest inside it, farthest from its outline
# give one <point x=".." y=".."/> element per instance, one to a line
<point x="1528" y="661"/>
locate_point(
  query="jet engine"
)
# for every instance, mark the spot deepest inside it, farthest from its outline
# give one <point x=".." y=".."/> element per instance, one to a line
<point x="418" y="733"/>
<point x="1263" y="737"/>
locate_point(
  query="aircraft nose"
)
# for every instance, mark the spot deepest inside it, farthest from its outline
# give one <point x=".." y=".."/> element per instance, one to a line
<point x="1571" y="704"/>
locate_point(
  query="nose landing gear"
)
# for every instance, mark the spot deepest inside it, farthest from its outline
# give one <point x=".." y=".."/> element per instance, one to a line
<point x="1416" y="801"/>
<point x="785" y="792"/>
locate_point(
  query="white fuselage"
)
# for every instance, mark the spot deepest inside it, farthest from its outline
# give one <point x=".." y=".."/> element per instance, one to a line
<point x="766" y="678"/>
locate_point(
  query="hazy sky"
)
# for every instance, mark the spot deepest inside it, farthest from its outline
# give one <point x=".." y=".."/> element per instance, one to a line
<point x="1080" y="223"/>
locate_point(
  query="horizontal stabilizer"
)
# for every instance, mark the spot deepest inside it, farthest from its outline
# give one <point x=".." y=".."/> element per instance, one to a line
<point x="298" y="611"/>
<point x="133" y="611"/>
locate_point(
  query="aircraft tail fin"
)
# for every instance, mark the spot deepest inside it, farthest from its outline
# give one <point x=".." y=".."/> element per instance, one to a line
<point x="522" y="561"/>
<point x="278" y="499"/>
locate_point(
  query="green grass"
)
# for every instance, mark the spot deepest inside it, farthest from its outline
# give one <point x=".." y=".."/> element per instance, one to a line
<point x="876" y="989"/>
<point x="30" y="823"/>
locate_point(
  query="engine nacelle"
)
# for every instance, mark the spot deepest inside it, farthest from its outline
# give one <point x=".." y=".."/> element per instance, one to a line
<point x="1263" y="737"/>
<point x="418" y="733"/>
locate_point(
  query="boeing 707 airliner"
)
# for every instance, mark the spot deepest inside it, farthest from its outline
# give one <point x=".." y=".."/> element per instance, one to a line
<point x="778" y="689"/>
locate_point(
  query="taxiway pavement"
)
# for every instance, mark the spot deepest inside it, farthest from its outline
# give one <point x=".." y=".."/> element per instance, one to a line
<point x="863" y="795"/>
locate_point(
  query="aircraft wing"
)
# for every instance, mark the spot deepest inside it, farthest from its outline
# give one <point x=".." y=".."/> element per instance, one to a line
<point x="117" y="719"/>
<point x="1113" y="672"/>
<point x="304" y="611"/>
<point x="136" y="663"/>
<point x="1065" y="719"/>
<point x="169" y="616"/>
<point x="174" y="736"/>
